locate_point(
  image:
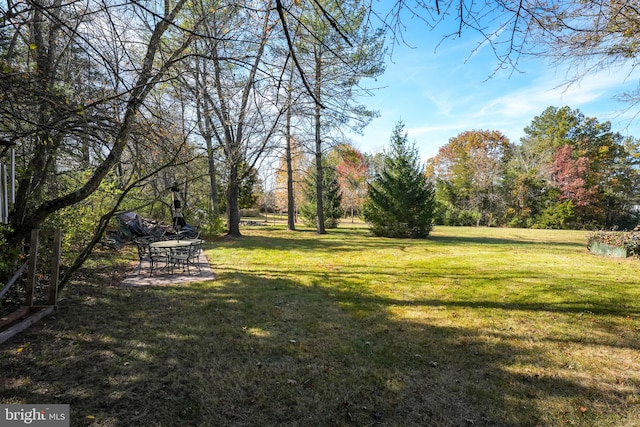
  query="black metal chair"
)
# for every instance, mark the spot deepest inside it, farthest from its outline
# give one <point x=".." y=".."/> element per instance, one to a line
<point x="146" y="253"/>
<point x="157" y="255"/>
<point x="194" y="254"/>
<point x="180" y="256"/>
<point x="143" y="252"/>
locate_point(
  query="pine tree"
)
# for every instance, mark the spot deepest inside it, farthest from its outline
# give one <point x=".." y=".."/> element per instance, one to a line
<point x="331" y="199"/>
<point x="401" y="198"/>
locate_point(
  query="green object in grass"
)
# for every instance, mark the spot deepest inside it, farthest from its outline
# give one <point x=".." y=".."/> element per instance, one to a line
<point x="606" y="249"/>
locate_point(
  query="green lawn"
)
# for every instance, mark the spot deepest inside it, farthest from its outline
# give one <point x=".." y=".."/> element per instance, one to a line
<point x="473" y="326"/>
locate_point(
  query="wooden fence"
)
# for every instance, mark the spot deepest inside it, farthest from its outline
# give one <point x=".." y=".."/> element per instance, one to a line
<point x="31" y="312"/>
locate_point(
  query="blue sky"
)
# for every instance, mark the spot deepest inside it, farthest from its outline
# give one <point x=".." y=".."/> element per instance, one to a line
<point x="439" y="93"/>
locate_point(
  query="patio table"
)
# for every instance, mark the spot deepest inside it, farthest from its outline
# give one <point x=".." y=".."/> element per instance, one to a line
<point x="179" y="251"/>
<point x="168" y="244"/>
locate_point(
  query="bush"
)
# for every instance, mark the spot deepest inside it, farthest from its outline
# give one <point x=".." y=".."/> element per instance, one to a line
<point x="8" y="255"/>
<point x="558" y="216"/>
<point x="214" y="227"/>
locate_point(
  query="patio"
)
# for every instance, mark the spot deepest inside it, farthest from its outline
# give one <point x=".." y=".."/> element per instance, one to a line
<point x="200" y="270"/>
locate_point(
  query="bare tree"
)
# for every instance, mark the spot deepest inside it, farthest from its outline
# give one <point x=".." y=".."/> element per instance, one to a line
<point x="240" y="92"/>
<point x="48" y="114"/>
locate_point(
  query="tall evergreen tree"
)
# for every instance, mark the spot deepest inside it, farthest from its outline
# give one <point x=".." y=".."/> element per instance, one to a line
<point x="401" y="198"/>
<point x="331" y="199"/>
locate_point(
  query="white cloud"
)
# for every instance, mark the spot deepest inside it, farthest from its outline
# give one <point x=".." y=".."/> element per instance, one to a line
<point x="550" y="89"/>
<point x="439" y="96"/>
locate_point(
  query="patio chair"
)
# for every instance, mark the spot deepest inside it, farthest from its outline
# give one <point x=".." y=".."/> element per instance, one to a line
<point x="143" y="252"/>
<point x="148" y="254"/>
<point x="194" y="253"/>
<point x="157" y="255"/>
<point x="179" y="256"/>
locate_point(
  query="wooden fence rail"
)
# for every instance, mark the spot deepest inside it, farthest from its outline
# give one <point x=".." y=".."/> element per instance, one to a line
<point x="29" y="313"/>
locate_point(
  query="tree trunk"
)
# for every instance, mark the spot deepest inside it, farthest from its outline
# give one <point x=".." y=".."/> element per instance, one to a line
<point x="205" y="125"/>
<point x="213" y="182"/>
<point x="319" y="170"/>
<point x="233" y="209"/>
<point x="291" y="204"/>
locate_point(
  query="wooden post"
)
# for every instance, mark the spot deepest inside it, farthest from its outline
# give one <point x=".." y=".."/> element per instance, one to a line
<point x="33" y="264"/>
<point x="55" y="267"/>
<point x="4" y="201"/>
<point x="12" y="177"/>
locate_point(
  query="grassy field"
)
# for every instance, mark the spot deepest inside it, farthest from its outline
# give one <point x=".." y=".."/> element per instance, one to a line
<point x="471" y="327"/>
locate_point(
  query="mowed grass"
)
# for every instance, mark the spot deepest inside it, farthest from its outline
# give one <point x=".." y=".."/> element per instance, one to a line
<point x="473" y="326"/>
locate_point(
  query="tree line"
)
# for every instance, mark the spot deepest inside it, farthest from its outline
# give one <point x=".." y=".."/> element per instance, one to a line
<point x="568" y="171"/>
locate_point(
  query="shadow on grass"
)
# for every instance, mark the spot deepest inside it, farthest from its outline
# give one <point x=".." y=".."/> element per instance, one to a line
<point x="335" y="241"/>
<point x="353" y="240"/>
<point x="450" y="240"/>
<point x="532" y="298"/>
<point x="249" y="350"/>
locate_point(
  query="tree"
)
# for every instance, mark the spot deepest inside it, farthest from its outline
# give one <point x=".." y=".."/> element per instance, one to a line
<point x="621" y="196"/>
<point x="76" y="98"/>
<point x="206" y="126"/>
<point x="54" y="112"/>
<point x="289" y="160"/>
<point x="240" y="86"/>
<point x="331" y="199"/>
<point x="352" y="176"/>
<point x="595" y="34"/>
<point x="401" y="198"/>
<point x="526" y="196"/>
<point x="249" y="188"/>
<point x="569" y="177"/>
<point x="472" y="166"/>
<point x="340" y="51"/>
<point x="289" y="178"/>
<point x="581" y="157"/>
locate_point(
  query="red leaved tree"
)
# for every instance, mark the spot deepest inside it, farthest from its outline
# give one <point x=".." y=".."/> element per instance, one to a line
<point x="352" y="177"/>
<point x="569" y="176"/>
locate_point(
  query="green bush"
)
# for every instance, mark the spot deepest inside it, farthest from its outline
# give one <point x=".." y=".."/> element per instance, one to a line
<point x="216" y="226"/>
<point x="558" y="216"/>
<point x="7" y="254"/>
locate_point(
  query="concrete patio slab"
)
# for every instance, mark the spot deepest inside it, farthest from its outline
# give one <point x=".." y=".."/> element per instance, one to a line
<point x="200" y="271"/>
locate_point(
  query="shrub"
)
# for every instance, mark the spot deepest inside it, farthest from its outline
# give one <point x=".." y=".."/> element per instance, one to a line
<point x="7" y="254"/>
<point x="558" y="216"/>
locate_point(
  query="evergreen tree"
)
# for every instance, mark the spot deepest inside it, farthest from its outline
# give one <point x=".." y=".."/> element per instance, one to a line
<point x="249" y="186"/>
<point x="401" y="198"/>
<point x="331" y="199"/>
